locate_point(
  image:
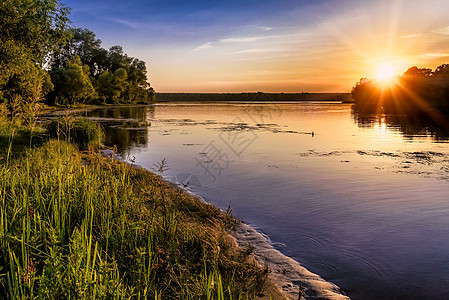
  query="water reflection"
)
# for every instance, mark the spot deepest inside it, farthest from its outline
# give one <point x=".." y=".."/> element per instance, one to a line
<point x="139" y="113"/>
<point x="126" y="127"/>
<point x="411" y="126"/>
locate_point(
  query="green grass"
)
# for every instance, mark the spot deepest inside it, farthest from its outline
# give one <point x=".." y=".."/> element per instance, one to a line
<point x="77" y="225"/>
<point x="15" y="138"/>
<point x="81" y="131"/>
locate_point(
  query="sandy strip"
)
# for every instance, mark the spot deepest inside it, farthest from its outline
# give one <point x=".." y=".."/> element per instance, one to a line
<point x="287" y="274"/>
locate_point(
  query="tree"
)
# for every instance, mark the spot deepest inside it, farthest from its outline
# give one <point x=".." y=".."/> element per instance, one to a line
<point x="72" y="83"/>
<point x="100" y="61"/>
<point x="118" y="59"/>
<point x="418" y="89"/>
<point x="82" y="43"/>
<point x="442" y="70"/>
<point x="418" y="72"/>
<point x="139" y="90"/>
<point x="115" y="76"/>
<point x="440" y="88"/>
<point x="104" y="86"/>
<point x="30" y="30"/>
<point x="112" y="85"/>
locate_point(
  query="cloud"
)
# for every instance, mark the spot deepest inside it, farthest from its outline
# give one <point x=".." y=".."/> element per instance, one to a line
<point x="204" y="46"/>
<point x="443" y="30"/>
<point x="233" y="40"/>
<point x="410" y="36"/>
<point x="133" y="25"/>
<point x="256" y="50"/>
<point x="241" y="39"/>
<point x="435" y="54"/>
<point x="236" y="40"/>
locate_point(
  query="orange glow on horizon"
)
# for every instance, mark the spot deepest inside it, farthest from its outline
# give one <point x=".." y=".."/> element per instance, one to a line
<point x="374" y="39"/>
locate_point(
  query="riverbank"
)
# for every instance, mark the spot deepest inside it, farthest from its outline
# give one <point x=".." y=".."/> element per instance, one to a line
<point x="283" y="286"/>
<point x="287" y="279"/>
<point x="76" y="225"/>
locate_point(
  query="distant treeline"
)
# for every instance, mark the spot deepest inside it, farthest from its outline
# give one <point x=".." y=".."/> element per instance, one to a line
<point x="418" y="89"/>
<point x="252" y="97"/>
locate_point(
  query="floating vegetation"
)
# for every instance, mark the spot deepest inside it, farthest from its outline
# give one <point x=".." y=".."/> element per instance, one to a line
<point x="422" y="163"/>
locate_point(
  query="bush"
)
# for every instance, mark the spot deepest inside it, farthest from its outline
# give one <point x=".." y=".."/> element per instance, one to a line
<point x="81" y="131"/>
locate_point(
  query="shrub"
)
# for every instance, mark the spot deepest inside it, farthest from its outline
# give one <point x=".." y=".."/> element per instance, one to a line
<point x="81" y="131"/>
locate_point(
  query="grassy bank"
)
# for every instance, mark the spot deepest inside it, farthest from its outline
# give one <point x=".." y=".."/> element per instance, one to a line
<point x="76" y="225"/>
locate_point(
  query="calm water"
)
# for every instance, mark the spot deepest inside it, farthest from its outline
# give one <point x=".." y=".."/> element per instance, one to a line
<point x="361" y="200"/>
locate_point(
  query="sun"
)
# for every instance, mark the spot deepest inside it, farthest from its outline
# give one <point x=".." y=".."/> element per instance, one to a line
<point x="385" y="72"/>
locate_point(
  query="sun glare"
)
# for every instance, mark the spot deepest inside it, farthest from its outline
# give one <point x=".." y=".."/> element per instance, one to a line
<point x="385" y="72"/>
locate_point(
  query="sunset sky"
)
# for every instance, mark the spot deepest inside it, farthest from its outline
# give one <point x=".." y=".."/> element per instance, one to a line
<point x="269" y="46"/>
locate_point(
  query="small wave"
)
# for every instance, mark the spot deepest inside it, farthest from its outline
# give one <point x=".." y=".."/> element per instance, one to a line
<point x="362" y="261"/>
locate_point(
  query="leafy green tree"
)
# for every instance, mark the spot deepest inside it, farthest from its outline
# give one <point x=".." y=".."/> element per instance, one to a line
<point x="83" y="43"/>
<point x="72" y="83"/>
<point x="115" y="76"/>
<point x="100" y="61"/>
<point x="118" y="59"/>
<point x="139" y="90"/>
<point x="112" y="85"/>
<point x="30" y="30"/>
<point x="104" y="87"/>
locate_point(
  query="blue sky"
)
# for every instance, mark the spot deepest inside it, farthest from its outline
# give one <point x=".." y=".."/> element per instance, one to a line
<point x="271" y="46"/>
<point x="161" y="21"/>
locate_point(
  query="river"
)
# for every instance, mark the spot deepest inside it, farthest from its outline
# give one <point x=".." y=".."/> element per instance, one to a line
<point x="362" y="200"/>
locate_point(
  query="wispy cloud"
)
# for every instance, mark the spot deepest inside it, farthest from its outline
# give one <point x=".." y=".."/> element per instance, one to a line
<point x="244" y="39"/>
<point x="411" y="36"/>
<point x="436" y="54"/>
<point x="443" y="30"/>
<point x="248" y="39"/>
<point x="256" y="50"/>
<point x="127" y="23"/>
<point x="205" y="46"/>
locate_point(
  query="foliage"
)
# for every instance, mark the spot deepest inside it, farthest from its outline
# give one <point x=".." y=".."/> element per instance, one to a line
<point x="417" y="89"/>
<point x="116" y="77"/>
<point x="72" y="83"/>
<point x="81" y="131"/>
<point x="110" y="86"/>
<point x="16" y="138"/>
<point x="35" y="36"/>
<point x="83" y="44"/>
<point x="81" y="226"/>
<point x="29" y="31"/>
